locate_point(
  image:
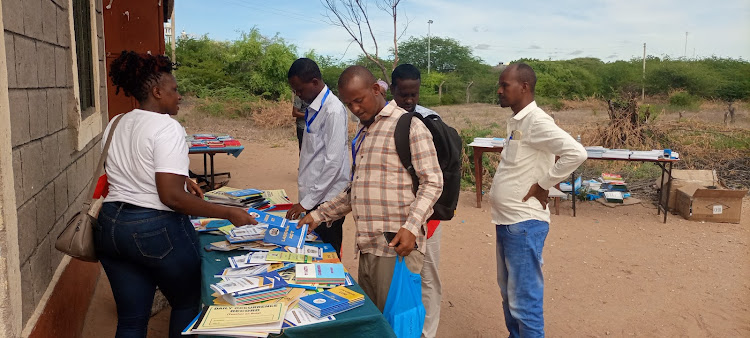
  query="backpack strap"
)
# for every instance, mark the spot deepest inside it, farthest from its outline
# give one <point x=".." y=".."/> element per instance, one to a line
<point x="403" y="149"/>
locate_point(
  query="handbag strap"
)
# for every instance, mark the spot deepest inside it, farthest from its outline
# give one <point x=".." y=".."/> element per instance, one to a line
<point x="100" y="167"/>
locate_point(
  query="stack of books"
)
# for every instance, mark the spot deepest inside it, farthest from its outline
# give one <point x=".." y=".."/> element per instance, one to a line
<point x="620" y="154"/>
<point x="331" y="302"/>
<point x="238" y="197"/>
<point x="254" y="289"/>
<point x="613" y="182"/>
<point x="322" y="273"/>
<point x="595" y="151"/>
<point x="613" y="196"/>
<point x="278" y="199"/>
<point x="488" y="142"/>
<point x="202" y="141"/>
<point x="652" y="155"/>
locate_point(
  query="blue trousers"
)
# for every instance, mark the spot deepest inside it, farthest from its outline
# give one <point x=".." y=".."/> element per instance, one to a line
<point x="519" y="274"/>
<point x="141" y="249"/>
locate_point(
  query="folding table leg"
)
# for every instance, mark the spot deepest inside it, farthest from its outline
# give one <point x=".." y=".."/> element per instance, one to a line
<point x="212" y="171"/>
<point x="669" y="187"/>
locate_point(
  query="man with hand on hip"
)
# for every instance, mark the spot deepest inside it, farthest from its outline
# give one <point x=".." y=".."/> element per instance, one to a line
<point x="518" y="197"/>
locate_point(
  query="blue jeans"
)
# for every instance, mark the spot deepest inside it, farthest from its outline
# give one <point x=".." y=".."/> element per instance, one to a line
<point x="519" y="274"/>
<point x="141" y="249"/>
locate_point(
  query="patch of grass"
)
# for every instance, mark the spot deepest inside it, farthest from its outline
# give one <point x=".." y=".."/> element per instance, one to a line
<point x="725" y="142"/>
<point x="234" y="104"/>
<point x="640" y="171"/>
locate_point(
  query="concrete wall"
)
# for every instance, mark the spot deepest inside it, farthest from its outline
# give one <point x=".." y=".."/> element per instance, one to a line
<point x="51" y="166"/>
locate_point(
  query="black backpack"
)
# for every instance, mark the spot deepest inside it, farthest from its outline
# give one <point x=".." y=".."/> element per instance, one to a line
<point x="449" y="147"/>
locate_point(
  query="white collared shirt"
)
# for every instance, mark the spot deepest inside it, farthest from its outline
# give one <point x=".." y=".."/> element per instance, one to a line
<point x="324" y="163"/>
<point x="421" y="110"/>
<point x="529" y="157"/>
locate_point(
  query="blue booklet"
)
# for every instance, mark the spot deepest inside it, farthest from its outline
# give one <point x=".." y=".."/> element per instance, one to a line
<point x="244" y="192"/>
<point x="323" y="302"/>
<point x="264" y="217"/>
<point x="286" y="234"/>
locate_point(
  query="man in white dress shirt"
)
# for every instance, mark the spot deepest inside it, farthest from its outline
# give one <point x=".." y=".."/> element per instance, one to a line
<point x="324" y="158"/>
<point x="520" y="188"/>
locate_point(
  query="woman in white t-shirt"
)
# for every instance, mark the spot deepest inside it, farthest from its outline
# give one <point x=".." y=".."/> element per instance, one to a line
<point x="144" y="238"/>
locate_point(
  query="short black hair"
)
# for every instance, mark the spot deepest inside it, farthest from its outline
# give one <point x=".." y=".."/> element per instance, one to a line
<point x="305" y="69"/>
<point x="525" y="74"/>
<point x="136" y="73"/>
<point x="405" y="71"/>
<point x="356" y="72"/>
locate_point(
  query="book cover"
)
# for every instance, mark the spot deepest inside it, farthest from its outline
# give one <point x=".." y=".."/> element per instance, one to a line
<point x="324" y="300"/>
<point x="347" y="293"/>
<point x="286" y="234"/>
<point x="244" y="192"/>
<point x="328" y="271"/>
<point x="283" y="256"/>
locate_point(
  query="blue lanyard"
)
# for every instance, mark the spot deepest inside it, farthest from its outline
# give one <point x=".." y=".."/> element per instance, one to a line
<point x="307" y="110"/>
<point x="355" y="150"/>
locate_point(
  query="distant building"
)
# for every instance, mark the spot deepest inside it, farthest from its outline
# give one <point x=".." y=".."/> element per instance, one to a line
<point x="168" y="36"/>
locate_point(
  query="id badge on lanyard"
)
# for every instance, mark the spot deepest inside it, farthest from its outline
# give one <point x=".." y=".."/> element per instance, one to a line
<point x="307" y="111"/>
<point x="355" y="149"/>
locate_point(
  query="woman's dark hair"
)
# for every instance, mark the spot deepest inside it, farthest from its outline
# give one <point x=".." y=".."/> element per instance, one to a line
<point x="136" y="73"/>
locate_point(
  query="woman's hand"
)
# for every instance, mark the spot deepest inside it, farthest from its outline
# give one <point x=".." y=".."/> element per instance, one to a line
<point x="239" y="217"/>
<point x="193" y="187"/>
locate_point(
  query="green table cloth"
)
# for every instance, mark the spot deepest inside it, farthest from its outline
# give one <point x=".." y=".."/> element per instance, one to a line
<point x="363" y="321"/>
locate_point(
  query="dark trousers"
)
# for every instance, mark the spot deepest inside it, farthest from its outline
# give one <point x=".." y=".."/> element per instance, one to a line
<point x="332" y="235"/>
<point x="300" y="133"/>
<point x="141" y="249"/>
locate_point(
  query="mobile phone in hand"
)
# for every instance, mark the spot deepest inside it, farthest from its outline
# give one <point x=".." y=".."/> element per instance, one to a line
<point x="389" y="236"/>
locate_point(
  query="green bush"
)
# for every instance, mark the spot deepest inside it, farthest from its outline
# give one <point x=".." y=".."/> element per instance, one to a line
<point x="682" y="99"/>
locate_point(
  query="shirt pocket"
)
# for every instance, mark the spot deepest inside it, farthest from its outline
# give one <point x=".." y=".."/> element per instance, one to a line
<point x="512" y="151"/>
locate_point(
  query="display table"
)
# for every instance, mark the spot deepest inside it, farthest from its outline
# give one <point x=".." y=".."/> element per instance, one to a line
<point x="210" y="152"/>
<point x="363" y="321"/>
<point x="664" y="164"/>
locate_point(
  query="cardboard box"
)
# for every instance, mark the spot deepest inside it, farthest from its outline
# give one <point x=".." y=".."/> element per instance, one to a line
<point x="712" y="205"/>
<point x="681" y="178"/>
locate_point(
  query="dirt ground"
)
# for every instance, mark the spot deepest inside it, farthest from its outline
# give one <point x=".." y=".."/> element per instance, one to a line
<point x="608" y="272"/>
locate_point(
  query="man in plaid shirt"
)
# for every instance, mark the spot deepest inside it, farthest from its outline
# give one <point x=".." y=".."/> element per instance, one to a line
<point x="380" y="196"/>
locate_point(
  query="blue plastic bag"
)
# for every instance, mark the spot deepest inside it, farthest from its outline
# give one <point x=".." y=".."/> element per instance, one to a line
<point x="403" y="307"/>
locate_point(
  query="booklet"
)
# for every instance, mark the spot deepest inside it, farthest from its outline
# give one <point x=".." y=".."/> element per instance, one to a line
<point x="286" y="234"/>
<point x="228" y="321"/>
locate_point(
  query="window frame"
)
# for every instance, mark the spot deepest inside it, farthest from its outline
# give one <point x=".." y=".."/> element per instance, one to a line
<point x="90" y="127"/>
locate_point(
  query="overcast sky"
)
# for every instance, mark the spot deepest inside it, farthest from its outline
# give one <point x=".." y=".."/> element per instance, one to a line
<point x="498" y="30"/>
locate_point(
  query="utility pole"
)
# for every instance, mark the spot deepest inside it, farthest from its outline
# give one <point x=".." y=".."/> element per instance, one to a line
<point x="174" y="37"/>
<point x="686" y="36"/>
<point x="428" y="45"/>
<point x="643" y="84"/>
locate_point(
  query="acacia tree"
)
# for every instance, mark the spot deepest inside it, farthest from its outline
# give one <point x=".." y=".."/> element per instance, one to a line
<point x="353" y="16"/>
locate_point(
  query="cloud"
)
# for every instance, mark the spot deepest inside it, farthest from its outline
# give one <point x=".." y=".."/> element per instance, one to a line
<point x="577" y="52"/>
<point x="612" y="56"/>
<point x="482" y="46"/>
<point x="534" y="47"/>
